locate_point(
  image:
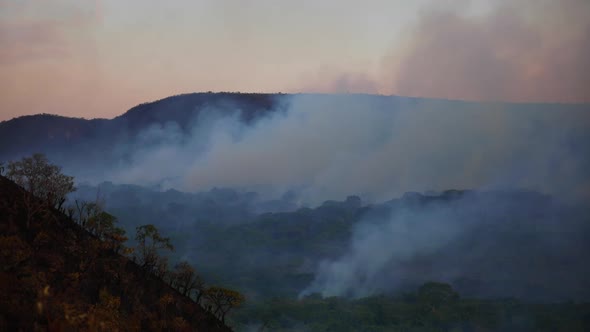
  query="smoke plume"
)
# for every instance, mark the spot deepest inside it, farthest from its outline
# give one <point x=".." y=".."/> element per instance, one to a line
<point x="329" y="147"/>
<point x="487" y="244"/>
<point x="520" y="51"/>
<point x="517" y="51"/>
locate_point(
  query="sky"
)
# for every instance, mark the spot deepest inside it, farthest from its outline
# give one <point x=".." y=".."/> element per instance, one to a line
<point x="98" y="58"/>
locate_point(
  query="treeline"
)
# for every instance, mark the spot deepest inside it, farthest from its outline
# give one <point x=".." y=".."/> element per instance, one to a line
<point x="43" y="192"/>
<point x="433" y="307"/>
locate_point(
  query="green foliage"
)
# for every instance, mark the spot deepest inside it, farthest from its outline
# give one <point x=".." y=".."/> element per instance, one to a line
<point x="434" y="307"/>
<point x="437" y="294"/>
<point x="437" y="305"/>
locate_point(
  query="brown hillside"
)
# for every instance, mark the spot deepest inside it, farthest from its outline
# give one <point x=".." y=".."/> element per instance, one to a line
<point x="55" y="276"/>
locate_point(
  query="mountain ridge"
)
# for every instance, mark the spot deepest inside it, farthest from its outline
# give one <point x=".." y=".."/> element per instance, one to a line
<point x="155" y="102"/>
<point x="86" y="147"/>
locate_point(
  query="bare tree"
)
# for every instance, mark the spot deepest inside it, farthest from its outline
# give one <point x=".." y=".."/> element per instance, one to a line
<point x="186" y="280"/>
<point x="149" y="245"/>
<point x="223" y="300"/>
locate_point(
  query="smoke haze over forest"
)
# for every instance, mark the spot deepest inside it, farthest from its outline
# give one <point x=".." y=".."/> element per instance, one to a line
<point x="373" y="148"/>
<point x="329" y="147"/>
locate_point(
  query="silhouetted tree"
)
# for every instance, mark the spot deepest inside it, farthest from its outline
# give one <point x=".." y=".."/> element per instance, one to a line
<point x="42" y="179"/>
<point x="223" y="300"/>
<point x="103" y="226"/>
<point x="186" y="280"/>
<point x="161" y="268"/>
<point x="149" y="245"/>
<point x="43" y="184"/>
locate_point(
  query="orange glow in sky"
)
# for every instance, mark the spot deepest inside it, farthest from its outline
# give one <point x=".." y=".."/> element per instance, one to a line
<point x="99" y="58"/>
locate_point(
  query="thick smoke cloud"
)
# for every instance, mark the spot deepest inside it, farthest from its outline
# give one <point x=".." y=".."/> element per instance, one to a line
<point x="485" y="244"/>
<point x="520" y="51"/>
<point x="378" y="245"/>
<point x="163" y="154"/>
<point x="28" y="33"/>
<point x="517" y="51"/>
<point x="328" y="147"/>
<point x="333" y="80"/>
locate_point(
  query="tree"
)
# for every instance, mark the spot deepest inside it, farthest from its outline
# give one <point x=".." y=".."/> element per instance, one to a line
<point x="115" y="239"/>
<point x="161" y="268"/>
<point x="223" y="300"/>
<point x="186" y="280"/>
<point x="85" y="210"/>
<point x="92" y="217"/>
<point x="42" y="179"/>
<point x="44" y="186"/>
<point x="439" y="304"/>
<point x="149" y="245"/>
<point x="437" y="294"/>
<point x="103" y="226"/>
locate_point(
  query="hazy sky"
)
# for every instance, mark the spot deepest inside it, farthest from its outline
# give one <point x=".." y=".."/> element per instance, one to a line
<point x="97" y="58"/>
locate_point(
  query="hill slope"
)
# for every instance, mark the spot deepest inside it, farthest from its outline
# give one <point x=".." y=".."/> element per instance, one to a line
<point x="55" y="276"/>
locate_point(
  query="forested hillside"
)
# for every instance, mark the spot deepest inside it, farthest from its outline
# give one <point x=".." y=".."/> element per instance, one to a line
<point x="74" y="272"/>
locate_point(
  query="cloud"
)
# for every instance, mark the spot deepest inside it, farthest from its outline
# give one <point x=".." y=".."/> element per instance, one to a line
<point x="520" y="51"/>
<point x="48" y="54"/>
<point x="516" y="51"/>
<point x="332" y="80"/>
<point x="23" y="42"/>
<point x="30" y="32"/>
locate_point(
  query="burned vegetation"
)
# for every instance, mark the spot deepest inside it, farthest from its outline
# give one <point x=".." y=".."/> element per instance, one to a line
<point x="67" y="267"/>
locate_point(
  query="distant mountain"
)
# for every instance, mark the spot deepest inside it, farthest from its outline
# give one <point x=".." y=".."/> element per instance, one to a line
<point x="61" y="136"/>
<point x="75" y="140"/>
<point x="70" y="141"/>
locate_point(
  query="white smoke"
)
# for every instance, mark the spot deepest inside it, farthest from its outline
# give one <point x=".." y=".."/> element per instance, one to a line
<point x="329" y="147"/>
